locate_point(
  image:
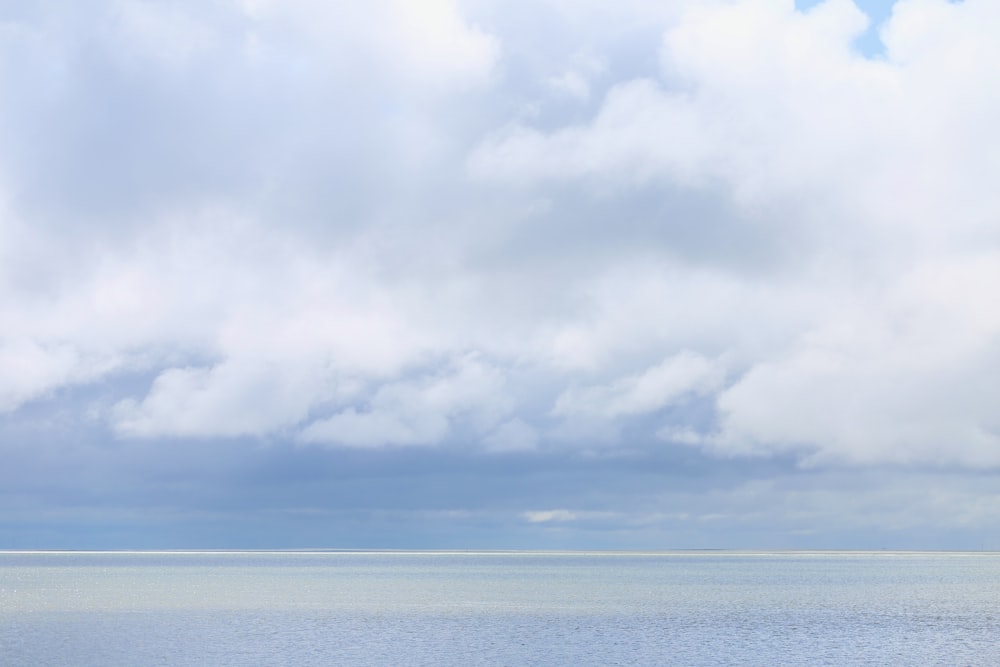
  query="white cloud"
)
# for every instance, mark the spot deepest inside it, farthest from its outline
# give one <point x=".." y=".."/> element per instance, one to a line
<point x="901" y="379"/>
<point x="433" y="38"/>
<point x="29" y="370"/>
<point x="872" y="169"/>
<point x="419" y="412"/>
<point x="426" y="44"/>
<point x="546" y="516"/>
<point x="165" y="33"/>
<point x="639" y="134"/>
<point x="234" y="398"/>
<point x="648" y="391"/>
<point x="576" y="80"/>
<point x="298" y="218"/>
<point x="571" y="83"/>
<point x="564" y="516"/>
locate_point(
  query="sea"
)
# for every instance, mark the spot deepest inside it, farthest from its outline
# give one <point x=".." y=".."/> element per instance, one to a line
<point x="498" y="608"/>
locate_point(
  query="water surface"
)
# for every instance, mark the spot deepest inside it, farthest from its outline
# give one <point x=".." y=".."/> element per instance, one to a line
<point x="397" y="608"/>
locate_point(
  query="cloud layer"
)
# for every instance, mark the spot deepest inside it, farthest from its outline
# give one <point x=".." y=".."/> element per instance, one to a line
<point x="507" y="229"/>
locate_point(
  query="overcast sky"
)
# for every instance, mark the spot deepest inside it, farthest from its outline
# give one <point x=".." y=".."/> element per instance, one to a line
<point x="499" y="274"/>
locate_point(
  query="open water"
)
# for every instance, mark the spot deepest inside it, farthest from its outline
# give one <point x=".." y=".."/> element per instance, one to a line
<point x="394" y="608"/>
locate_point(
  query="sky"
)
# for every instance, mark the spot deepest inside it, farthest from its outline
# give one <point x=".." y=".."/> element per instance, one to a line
<point x="499" y="274"/>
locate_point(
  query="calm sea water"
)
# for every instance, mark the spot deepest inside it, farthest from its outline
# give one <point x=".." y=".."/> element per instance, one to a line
<point x="277" y="608"/>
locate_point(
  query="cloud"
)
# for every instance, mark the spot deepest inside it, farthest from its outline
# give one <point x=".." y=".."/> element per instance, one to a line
<point x="563" y="516"/>
<point x="167" y="35"/>
<point x="431" y="46"/>
<point x="31" y="371"/>
<point x="638" y="134"/>
<point x="234" y="398"/>
<point x="898" y="380"/>
<point x="421" y="411"/>
<point x="876" y="189"/>
<point x="436" y="41"/>
<point x="645" y="392"/>
<point x="718" y="210"/>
